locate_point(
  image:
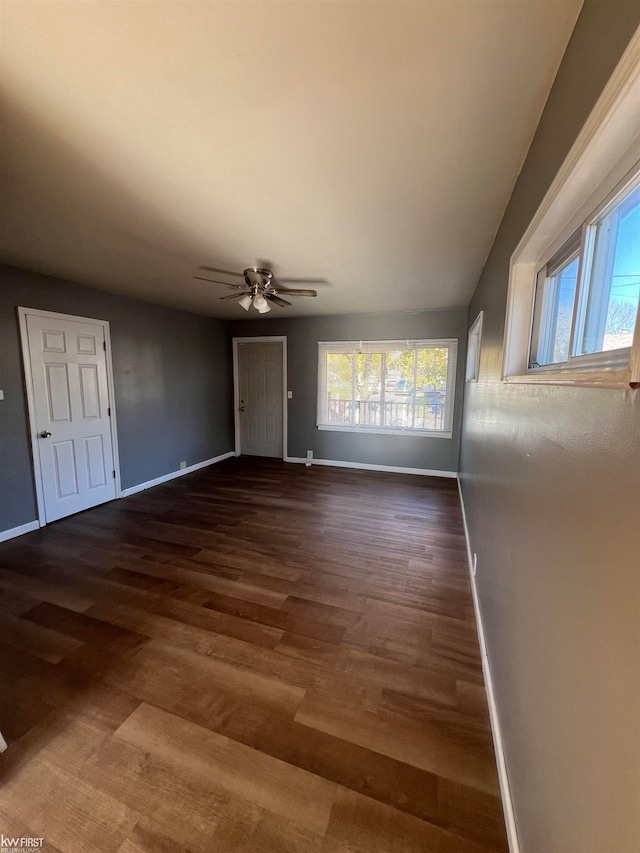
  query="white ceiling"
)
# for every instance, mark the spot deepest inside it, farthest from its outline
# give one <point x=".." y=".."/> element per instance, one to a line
<point x="372" y="144"/>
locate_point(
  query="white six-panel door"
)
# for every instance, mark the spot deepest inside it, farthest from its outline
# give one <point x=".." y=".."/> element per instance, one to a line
<point x="70" y="413"/>
<point x="260" y="396"/>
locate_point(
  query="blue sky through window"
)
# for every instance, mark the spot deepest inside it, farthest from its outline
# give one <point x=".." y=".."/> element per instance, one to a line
<point x="624" y="293"/>
<point x="626" y="268"/>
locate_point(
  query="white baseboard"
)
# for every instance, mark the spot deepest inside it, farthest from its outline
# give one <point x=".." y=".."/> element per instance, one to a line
<point x="132" y="490"/>
<point x="19" y="531"/>
<point x="365" y="466"/>
<point x="505" y="790"/>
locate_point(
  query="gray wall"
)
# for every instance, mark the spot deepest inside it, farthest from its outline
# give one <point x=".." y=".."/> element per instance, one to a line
<point x="551" y="482"/>
<point x="303" y="334"/>
<point x="172" y="376"/>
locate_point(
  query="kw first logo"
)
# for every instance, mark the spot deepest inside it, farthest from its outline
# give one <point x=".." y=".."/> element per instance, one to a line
<point x="18" y="845"/>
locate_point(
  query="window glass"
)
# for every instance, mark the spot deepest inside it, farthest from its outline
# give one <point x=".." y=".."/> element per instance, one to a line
<point x="555" y="301"/>
<point x="432" y="402"/>
<point x="368" y="389"/>
<point x="614" y="282"/>
<point x="341" y="409"/>
<point x="399" y="405"/>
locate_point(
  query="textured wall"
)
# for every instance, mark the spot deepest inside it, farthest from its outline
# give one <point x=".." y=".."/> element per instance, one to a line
<point x="551" y="481"/>
<point x="172" y="376"/>
<point x="303" y="334"/>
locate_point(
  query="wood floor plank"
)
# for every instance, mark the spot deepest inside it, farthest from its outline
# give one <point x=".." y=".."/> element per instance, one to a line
<point x="12" y="828"/>
<point x="83" y="628"/>
<point x="250" y="829"/>
<point x="146" y="837"/>
<point x="420" y="744"/>
<point x="45" y="643"/>
<point x="58" y="806"/>
<point x="161" y="668"/>
<point x="42" y="591"/>
<point x="287" y="791"/>
<point x="367" y="826"/>
<point x="15" y="605"/>
<point x="298" y="621"/>
<point x="171" y="802"/>
<point x="240" y="654"/>
<point x="20" y="711"/>
<point x="201" y="579"/>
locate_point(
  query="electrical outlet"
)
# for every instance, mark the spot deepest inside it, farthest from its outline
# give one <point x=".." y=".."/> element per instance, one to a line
<point x="289" y="395"/>
<point x="475" y="564"/>
<point x="183" y="465"/>
<point x="1" y="395"/>
<point x="309" y="454"/>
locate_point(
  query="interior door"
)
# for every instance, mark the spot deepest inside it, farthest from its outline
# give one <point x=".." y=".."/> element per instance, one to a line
<point x="72" y="417"/>
<point x="260" y="385"/>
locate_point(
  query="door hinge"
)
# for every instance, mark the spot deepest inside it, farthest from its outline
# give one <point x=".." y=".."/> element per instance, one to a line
<point x="104" y="345"/>
<point x="114" y="475"/>
<point x="109" y="412"/>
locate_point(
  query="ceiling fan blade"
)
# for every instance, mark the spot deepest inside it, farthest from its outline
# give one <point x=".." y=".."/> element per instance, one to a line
<point x="288" y="292"/>
<point x="233" y="296"/>
<point x="302" y="280"/>
<point x="273" y="298"/>
<point x="213" y="281"/>
<point x="224" y="272"/>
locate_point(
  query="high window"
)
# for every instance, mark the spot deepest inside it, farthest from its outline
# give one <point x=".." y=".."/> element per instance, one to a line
<point x="574" y="277"/>
<point x="396" y="387"/>
<point x="587" y="295"/>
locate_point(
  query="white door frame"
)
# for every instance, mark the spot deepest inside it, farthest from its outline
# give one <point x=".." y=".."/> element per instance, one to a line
<point x="263" y="339"/>
<point x="31" y="403"/>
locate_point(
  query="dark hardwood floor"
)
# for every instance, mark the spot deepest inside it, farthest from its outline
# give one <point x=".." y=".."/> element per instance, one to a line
<point x="256" y="657"/>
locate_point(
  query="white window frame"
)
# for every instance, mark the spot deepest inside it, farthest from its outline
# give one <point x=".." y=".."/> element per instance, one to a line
<point x="474" y="349"/>
<point x="600" y="166"/>
<point x="325" y="347"/>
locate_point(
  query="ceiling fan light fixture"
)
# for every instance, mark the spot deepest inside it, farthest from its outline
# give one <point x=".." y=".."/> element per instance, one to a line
<point x="260" y="304"/>
<point x="245" y="301"/>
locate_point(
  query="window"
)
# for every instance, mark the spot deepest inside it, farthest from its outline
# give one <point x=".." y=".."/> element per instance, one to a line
<point x="587" y="295"/>
<point x="395" y="387"/>
<point x="574" y="277"/>
<point x="474" y="346"/>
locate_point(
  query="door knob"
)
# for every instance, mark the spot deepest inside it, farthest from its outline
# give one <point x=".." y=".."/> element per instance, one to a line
<point x="45" y="433"/>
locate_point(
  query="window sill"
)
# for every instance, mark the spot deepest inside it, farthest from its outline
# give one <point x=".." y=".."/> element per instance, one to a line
<point x="584" y="378"/>
<point x="408" y="433"/>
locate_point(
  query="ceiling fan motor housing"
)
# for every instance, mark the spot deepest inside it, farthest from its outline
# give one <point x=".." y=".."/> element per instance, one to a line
<point x="258" y="277"/>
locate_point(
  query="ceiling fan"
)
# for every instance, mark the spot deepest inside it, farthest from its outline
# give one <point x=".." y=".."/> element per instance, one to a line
<point x="260" y="287"/>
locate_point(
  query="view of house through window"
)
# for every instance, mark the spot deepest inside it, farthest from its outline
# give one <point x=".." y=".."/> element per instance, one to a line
<point x="387" y="386"/>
